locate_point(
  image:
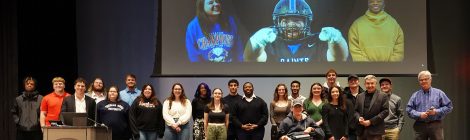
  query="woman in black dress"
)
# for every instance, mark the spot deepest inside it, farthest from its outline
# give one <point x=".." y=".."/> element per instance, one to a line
<point x="335" y="115"/>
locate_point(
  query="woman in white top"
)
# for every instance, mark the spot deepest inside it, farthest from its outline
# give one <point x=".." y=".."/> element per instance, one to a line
<point x="176" y="113"/>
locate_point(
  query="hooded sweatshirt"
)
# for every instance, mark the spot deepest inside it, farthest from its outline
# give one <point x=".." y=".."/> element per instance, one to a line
<point x="290" y="125"/>
<point x="26" y="111"/>
<point x="376" y="37"/>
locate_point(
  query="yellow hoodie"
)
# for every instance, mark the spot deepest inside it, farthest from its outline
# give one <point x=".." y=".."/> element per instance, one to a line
<point x="376" y="37"/>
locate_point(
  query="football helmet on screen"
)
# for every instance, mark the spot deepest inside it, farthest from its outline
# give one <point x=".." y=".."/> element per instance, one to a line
<point x="292" y="19"/>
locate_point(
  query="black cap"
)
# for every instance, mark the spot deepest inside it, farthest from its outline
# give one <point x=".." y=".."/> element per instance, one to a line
<point x="352" y="76"/>
<point x="385" y="79"/>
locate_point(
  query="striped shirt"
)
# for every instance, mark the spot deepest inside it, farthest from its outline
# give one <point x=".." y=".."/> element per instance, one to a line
<point x="422" y="101"/>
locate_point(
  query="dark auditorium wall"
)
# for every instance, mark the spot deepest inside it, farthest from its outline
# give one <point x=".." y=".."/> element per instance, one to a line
<point x="115" y="38"/>
<point x="109" y="39"/>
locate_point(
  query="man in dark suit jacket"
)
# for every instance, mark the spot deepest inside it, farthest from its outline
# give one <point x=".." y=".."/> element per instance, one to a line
<point x="79" y="102"/>
<point x="371" y="110"/>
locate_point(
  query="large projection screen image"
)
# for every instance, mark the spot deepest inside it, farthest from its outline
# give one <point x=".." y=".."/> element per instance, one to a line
<point x="291" y="37"/>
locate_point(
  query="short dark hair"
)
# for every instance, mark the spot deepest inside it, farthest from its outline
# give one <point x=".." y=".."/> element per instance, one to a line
<point x="131" y="75"/>
<point x="79" y="80"/>
<point x="331" y="71"/>
<point x="293" y="82"/>
<point x="248" y="83"/>
<point x="233" y="81"/>
<point x="29" y="78"/>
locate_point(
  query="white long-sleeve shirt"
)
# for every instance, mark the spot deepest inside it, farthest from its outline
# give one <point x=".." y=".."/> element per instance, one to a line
<point x="183" y="113"/>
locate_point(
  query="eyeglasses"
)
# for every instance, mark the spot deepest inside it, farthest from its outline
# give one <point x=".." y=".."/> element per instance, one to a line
<point x="424" y="79"/>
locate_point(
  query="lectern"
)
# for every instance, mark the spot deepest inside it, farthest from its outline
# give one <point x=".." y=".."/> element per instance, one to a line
<point x="77" y="133"/>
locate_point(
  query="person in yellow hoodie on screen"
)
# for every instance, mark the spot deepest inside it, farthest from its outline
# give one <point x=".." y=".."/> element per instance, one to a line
<point x="376" y="36"/>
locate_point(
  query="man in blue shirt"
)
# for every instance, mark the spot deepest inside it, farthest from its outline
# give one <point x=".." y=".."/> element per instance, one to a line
<point x="131" y="92"/>
<point x="428" y="106"/>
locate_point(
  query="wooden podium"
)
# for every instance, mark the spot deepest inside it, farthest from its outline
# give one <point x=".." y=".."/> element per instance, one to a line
<point x="77" y="133"/>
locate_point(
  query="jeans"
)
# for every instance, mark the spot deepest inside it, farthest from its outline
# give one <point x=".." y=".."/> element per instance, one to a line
<point x="147" y="135"/>
<point x="170" y="133"/>
<point x="216" y="132"/>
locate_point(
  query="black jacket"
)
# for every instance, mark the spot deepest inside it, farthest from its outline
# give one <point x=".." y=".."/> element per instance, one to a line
<point x="376" y="113"/>
<point x="68" y="105"/>
<point x="26" y="111"/>
<point x="352" y="121"/>
<point x="349" y="96"/>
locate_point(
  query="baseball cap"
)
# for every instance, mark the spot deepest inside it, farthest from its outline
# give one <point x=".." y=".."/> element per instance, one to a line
<point x="297" y="102"/>
<point x="385" y="79"/>
<point x="352" y="76"/>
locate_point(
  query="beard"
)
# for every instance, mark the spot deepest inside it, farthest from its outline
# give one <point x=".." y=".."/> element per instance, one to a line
<point x="97" y="90"/>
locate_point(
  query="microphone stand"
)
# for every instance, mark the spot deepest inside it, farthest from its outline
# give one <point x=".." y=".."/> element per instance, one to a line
<point x="98" y="124"/>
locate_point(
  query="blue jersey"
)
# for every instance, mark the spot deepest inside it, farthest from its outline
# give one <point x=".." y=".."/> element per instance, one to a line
<point x="221" y="46"/>
<point x="310" y="49"/>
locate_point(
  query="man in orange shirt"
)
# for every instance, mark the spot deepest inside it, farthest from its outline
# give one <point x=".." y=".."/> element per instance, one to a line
<point x="52" y="103"/>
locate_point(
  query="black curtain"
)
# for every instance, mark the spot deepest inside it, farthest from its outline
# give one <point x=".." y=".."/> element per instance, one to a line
<point x="47" y="42"/>
<point x="38" y="38"/>
<point x="9" y="65"/>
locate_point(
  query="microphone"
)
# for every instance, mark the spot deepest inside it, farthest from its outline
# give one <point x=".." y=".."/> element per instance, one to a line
<point x="98" y="124"/>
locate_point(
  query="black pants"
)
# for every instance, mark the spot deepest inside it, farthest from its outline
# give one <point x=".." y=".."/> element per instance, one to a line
<point x="231" y="132"/>
<point x="274" y="133"/>
<point x="428" y="130"/>
<point x="28" y="135"/>
<point x="352" y="135"/>
<point x="257" y="134"/>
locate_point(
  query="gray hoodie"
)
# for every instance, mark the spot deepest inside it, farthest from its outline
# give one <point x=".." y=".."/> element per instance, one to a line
<point x="25" y="111"/>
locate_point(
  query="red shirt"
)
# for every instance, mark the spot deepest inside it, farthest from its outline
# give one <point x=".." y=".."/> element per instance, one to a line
<point x="52" y="104"/>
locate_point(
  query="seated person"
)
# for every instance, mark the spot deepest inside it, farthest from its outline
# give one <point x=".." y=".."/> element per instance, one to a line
<point x="297" y="123"/>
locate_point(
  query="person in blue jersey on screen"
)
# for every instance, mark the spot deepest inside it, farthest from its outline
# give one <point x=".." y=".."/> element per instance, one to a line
<point x="290" y="39"/>
<point x="212" y="36"/>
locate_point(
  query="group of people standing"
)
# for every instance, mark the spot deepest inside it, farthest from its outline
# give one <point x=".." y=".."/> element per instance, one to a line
<point x="329" y="112"/>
